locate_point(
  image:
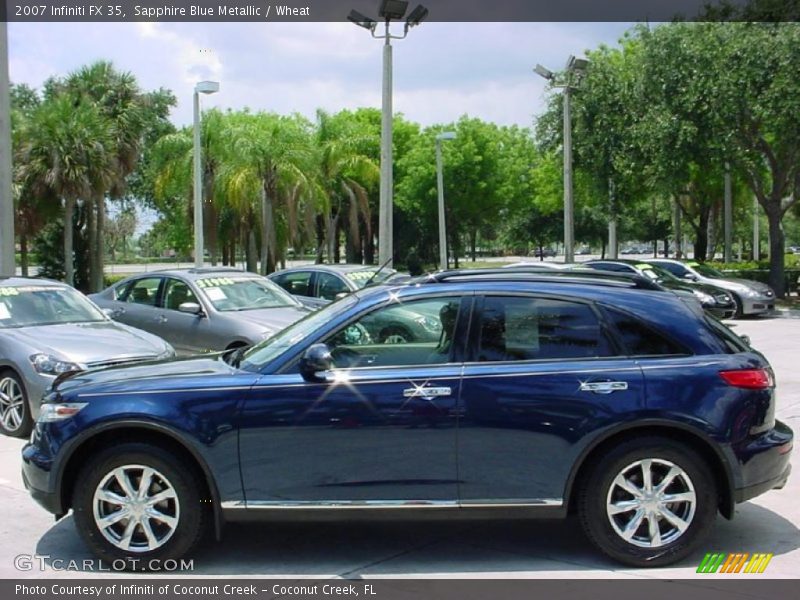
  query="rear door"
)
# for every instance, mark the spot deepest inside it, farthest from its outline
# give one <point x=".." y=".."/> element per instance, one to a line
<point x="139" y="307"/>
<point x="544" y="375"/>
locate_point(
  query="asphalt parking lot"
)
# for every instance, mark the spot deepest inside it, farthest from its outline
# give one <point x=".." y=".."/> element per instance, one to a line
<point x="536" y="549"/>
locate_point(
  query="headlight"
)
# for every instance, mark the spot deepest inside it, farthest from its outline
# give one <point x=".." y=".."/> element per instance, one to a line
<point x="50" y="365"/>
<point x="752" y="293"/>
<point x="49" y="413"/>
<point x="703" y="297"/>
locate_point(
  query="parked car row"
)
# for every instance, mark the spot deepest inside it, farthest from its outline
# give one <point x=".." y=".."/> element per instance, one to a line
<point x="722" y="296"/>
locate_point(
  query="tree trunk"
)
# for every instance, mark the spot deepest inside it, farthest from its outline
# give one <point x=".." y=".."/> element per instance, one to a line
<point x="23" y="253"/>
<point x="69" y="265"/>
<point x="91" y="226"/>
<point x="99" y="262"/>
<point x="268" y="241"/>
<point x="701" y="231"/>
<point x="776" y="251"/>
<point x="603" y="249"/>
<point x="473" y="243"/>
<point x="251" y="252"/>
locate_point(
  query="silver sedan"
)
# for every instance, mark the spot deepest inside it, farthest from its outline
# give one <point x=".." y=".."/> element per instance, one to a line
<point x="48" y="328"/>
<point x="202" y="310"/>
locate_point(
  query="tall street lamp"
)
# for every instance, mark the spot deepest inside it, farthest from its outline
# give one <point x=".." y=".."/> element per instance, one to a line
<point x="7" y="250"/>
<point x="569" y="80"/>
<point x="203" y="87"/>
<point x="447" y="135"/>
<point x="388" y="10"/>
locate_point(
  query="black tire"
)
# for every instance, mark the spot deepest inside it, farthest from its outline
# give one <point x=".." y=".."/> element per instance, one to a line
<point x="20" y="425"/>
<point x="595" y="489"/>
<point x="397" y="333"/>
<point x="193" y="511"/>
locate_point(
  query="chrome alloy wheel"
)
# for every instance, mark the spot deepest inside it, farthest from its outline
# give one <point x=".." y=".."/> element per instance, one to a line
<point x="12" y="409"/>
<point x="136" y="508"/>
<point x="651" y="503"/>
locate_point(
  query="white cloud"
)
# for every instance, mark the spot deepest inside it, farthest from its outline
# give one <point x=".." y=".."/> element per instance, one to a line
<point x="443" y="70"/>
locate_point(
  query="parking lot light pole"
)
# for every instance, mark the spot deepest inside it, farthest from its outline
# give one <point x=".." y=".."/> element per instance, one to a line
<point x="203" y="87"/>
<point x="7" y="249"/>
<point x="569" y="80"/>
<point x="389" y="10"/>
<point x="447" y="135"/>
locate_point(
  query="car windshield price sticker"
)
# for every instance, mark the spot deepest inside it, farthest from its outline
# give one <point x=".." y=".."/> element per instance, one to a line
<point x="214" y="294"/>
<point x="4" y="314"/>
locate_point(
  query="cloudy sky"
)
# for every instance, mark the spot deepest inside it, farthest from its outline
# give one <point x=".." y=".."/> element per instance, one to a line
<point x="442" y="70"/>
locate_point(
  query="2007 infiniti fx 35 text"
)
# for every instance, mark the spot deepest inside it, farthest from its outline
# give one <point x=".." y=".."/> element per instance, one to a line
<point x="543" y="395"/>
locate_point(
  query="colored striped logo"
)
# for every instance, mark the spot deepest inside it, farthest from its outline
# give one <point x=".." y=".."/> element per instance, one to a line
<point x="737" y="562"/>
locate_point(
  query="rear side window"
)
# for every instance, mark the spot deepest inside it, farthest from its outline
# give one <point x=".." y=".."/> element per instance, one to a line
<point x="640" y="339"/>
<point x="518" y="328"/>
<point x="730" y="342"/>
<point x="298" y="283"/>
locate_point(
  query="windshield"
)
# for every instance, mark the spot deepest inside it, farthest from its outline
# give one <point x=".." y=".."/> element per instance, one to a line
<point x="26" y="306"/>
<point x="362" y="277"/>
<point x="659" y="274"/>
<point x="268" y="350"/>
<point x="707" y="271"/>
<point x="243" y="293"/>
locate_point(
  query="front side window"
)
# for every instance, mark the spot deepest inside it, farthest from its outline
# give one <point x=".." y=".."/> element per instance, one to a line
<point x="144" y="291"/>
<point x="520" y="328"/>
<point x="398" y="334"/>
<point x="329" y="286"/>
<point x="177" y="292"/>
<point x="25" y="306"/>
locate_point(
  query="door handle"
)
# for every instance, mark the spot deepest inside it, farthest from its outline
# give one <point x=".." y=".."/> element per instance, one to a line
<point x="160" y="319"/>
<point x="604" y="387"/>
<point x="427" y="392"/>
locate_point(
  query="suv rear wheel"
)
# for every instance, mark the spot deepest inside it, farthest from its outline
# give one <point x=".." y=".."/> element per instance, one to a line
<point x="138" y="503"/>
<point x="648" y="502"/>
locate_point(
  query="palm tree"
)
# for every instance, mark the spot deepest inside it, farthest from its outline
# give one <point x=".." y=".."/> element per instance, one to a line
<point x="345" y="173"/>
<point x="116" y="95"/>
<point x="267" y="161"/>
<point x="67" y="151"/>
<point x="171" y="161"/>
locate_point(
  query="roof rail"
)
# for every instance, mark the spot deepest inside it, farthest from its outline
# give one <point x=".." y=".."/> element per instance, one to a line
<point x="586" y="277"/>
<point x="214" y="270"/>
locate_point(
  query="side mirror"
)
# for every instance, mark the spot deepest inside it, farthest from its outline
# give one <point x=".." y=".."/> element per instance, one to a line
<point x="316" y="360"/>
<point x="111" y="313"/>
<point x="341" y="295"/>
<point x="746" y="340"/>
<point x="193" y="308"/>
<point x="690" y="277"/>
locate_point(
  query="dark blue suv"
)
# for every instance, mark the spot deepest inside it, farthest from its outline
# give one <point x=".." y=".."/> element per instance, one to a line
<point x="539" y="396"/>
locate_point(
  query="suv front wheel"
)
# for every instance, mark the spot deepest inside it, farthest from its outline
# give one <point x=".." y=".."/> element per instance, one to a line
<point x="136" y="502"/>
<point x="648" y="502"/>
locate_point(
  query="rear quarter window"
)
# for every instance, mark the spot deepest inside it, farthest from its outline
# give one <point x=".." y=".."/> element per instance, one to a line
<point x="641" y="339"/>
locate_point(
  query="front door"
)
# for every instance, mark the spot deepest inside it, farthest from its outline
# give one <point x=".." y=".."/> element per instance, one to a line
<point x="380" y="429"/>
<point x="541" y="375"/>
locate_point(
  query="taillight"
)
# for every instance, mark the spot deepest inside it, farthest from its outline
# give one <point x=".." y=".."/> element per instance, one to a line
<point x="751" y="379"/>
